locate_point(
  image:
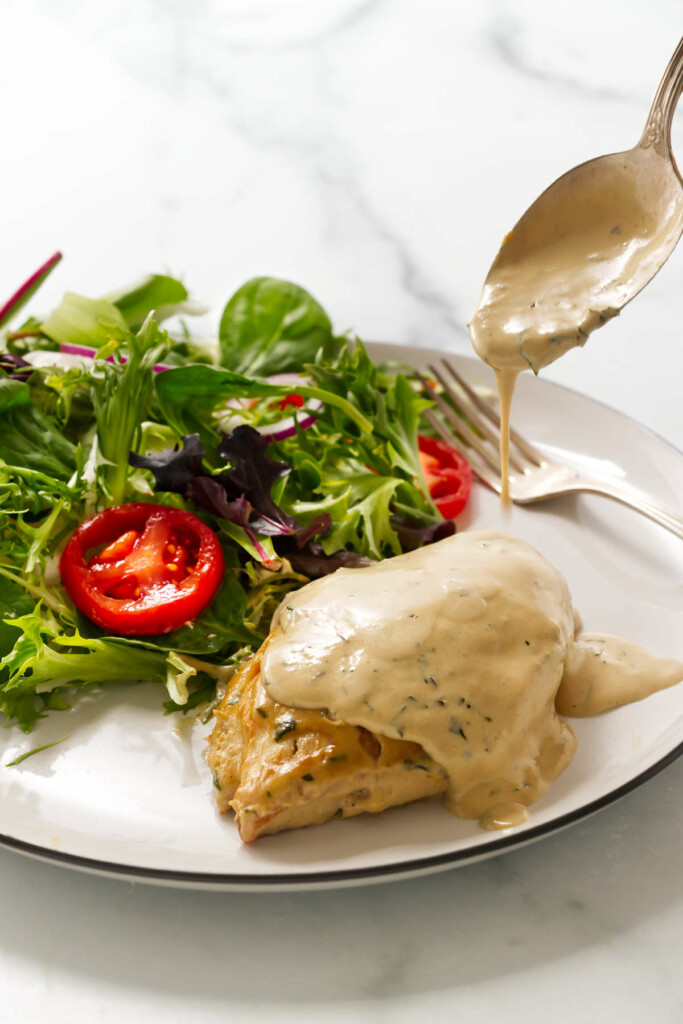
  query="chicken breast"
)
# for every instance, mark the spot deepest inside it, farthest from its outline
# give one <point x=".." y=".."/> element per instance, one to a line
<point x="278" y="767"/>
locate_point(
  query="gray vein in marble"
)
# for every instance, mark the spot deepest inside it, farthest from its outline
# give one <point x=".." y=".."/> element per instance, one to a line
<point x="411" y="277"/>
<point x="504" y="32"/>
<point x="349" y="18"/>
<point x="312" y="155"/>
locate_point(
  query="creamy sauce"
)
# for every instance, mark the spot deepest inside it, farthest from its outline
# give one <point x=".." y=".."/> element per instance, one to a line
<point x="458" y="646"/>
<point x="504" y="816"/>
<point x="506" y="388"/>
<point x="577" y="256"/>
<point x="461" y="647"/>
<point x="604" y="672"/>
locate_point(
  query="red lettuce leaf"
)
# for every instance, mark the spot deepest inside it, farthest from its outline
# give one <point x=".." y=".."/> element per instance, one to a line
<point x="174" y="468"/>
<point x="240" y="494"/>
<point x="412" y="536"/>
<point x="15" y="367"/>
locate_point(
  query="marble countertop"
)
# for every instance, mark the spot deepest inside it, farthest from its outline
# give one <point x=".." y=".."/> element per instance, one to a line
<point x="375" y="151"/>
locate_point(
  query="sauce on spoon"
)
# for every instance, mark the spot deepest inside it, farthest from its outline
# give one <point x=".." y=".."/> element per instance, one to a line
<point x="584" y="249"/>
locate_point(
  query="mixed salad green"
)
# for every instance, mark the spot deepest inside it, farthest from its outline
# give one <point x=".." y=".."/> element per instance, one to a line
<point x="286" y="439"/>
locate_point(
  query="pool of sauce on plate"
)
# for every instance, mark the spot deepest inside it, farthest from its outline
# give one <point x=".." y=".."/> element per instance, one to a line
<point x="584" y="248"/>
<point x="461" y="646"/>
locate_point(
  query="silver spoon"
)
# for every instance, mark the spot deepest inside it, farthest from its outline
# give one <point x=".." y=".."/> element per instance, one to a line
<point x="585" y="247"/>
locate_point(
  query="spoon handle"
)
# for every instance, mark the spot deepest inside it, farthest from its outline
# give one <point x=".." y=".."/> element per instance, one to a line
<point x="657" y="131"/>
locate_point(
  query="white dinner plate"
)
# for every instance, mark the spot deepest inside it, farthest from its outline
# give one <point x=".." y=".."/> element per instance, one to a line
<point x="129" y="793"/>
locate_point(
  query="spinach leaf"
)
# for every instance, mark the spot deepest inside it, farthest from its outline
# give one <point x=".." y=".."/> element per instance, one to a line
<point x="13" y="393"/>
<point x="32" y="440"/>
<point x="81" y="321"/>
<point x="271" y="326"/>
<point x="165" y="295"/>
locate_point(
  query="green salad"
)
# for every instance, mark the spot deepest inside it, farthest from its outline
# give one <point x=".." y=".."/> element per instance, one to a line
<point x="284" y="439"/>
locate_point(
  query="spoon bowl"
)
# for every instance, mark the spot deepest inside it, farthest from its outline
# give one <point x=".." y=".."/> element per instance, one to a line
<point x="585" y="247"/>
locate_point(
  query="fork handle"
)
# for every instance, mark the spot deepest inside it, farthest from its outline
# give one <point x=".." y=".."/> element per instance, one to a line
<point x="633" y="499"/>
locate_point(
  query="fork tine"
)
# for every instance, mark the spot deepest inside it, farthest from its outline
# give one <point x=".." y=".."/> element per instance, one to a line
<point x="470" y="410"/>
<point x="533" y="454"/>
<point x="483" y="471"/>
<point x="462" y="429"/>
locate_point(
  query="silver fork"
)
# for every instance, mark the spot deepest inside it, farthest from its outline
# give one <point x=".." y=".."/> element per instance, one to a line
<point x="533" y="476"/>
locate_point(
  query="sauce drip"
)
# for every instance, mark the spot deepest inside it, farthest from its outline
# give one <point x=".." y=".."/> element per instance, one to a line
<point x="466" y="647"/>
<point x="506" y="388"/>
<point x="605" y="672"/>
<point x="505" y="816"/>
<point x="577" y="256"/>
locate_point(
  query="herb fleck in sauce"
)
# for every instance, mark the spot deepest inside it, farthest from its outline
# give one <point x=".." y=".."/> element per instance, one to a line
<point x="494" y="625"/>
<point x="419" y="638"/>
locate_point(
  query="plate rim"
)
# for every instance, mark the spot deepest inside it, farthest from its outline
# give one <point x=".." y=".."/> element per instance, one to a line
<point x="308" y="880"/>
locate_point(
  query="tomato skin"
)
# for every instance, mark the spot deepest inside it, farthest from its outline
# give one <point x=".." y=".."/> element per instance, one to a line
<point x="447" y="473"/>
<point x="151" y="587"/>
<point x="293" y="400"/>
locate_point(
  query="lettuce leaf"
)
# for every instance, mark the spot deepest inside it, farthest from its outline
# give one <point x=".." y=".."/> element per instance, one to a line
<point x="82" y="321"/>
<point x="272" y="326"/>
<point x="44" y="659"/>
<point x="38" y="464"/>
<point x="368" y="479"/>
<point x="190" y="397"/>
<point x="158" y="293"/>
<point x="240" y="495"/>
<point x="121" y="393"/>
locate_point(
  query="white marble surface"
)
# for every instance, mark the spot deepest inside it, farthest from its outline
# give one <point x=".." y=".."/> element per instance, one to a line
<point x="376" y="152"/>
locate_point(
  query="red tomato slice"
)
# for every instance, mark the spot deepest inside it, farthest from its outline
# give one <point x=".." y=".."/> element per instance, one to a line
<point x="295" y="400"/>
<point x="447" y="473"/>
<point x="142" y="570"/>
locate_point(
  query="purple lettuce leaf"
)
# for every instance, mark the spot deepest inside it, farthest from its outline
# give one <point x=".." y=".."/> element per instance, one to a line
<point x="207" y="493"/>
<point x="412" y="536"/>
<point x="240" y="494"/>
<point x="174" y="468"/>
<point x="312" y="561"/>
<point x="253" y="474"/>
<point x="16" y="367"/>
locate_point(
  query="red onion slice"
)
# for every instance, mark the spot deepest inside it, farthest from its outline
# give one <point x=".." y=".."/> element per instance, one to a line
<point x="90" y="353"/>
<point x="287" y="428"/>
<point x="280" y="431"/>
